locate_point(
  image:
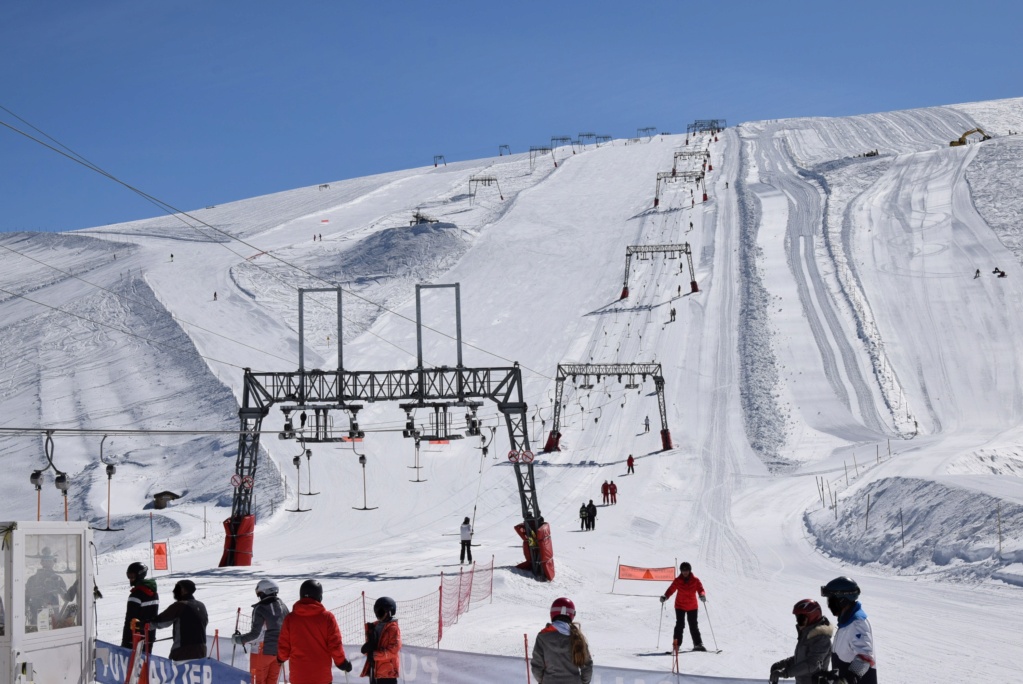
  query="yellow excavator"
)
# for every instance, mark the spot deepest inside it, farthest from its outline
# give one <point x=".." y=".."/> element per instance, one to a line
<point x="962" y="139"/>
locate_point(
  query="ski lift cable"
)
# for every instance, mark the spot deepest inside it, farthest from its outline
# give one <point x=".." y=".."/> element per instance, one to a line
<point x="133" y="300"/>
<point x="75" y="157"/>
<point x="174" y="213"/>
<point x="121" y="330"/>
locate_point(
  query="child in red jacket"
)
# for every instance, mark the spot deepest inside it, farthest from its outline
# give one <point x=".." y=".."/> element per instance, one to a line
<point x="383" y="644"/>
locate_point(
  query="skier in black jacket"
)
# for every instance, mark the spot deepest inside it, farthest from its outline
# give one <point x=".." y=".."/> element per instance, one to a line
<point x="143" y="603"/>
<point x="189" y="619"/>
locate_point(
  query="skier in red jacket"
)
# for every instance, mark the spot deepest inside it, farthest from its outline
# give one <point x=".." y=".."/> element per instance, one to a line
<point x="688" y="587"/>
<point x="311" y="639"/>
<point x="605" y="491"/>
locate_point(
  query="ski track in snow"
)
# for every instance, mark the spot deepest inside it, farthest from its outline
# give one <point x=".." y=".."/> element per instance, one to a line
<point x="837" y="311"/>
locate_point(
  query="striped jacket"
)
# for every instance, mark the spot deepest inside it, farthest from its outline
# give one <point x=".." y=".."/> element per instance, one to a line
<point x="144" y="604"/>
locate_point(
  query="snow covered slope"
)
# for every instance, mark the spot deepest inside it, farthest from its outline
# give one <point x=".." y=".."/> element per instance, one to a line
<point x="839" y="348"/>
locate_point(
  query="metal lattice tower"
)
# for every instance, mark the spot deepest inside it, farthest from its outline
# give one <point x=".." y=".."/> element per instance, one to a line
<point x="584" y="137"/>
<point x="647" y="132"/>
<point x="676" y="177"/>
<point x="439" y="159"/>
<point x="324" y="391"/>
<point x="501" y="149"/>
<point x="601" y="139"/>
<point x="671" y="251"/>
<point x="607" y="371"/>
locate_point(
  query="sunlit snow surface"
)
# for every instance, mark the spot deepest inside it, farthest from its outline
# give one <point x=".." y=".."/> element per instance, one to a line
<point x="839" y="339"/>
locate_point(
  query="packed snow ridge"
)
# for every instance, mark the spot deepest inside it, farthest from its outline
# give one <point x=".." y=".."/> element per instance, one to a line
<point x="843" y="392"/>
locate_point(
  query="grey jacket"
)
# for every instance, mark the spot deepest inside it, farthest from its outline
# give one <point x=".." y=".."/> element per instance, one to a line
<point x="552" y="660"/>
<point x="269" y="613"/>
<point x="813" y="650"/>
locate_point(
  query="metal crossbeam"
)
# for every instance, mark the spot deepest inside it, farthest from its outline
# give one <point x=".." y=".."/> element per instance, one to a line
<point x="605" y="371"/>
<point x="324" y="390"/>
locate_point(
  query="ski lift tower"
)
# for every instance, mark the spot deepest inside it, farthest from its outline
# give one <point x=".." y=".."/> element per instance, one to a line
<point x="439" y="159"/>
<point x="47" y="617"/>
<point x="677" y="176"/>
<point x="435" y="388"/>
<point x="538" y="151"/>
<point x="669" y="251"/>
<point x="647" y="132"/>
<point x="607" y="370"/>
<point x="601" y="139"/>
<point x="486" y="181"/>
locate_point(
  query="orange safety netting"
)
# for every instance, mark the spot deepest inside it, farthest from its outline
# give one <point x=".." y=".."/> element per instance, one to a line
<point x="631" y="572"/>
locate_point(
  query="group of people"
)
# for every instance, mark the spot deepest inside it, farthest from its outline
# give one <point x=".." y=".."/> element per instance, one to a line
<point x="824" y="654"/>
<point x="849" y="647"/>
<point x="307" y="636"/>
<point x="609" y="490"/>
<point x="588" y="516"/>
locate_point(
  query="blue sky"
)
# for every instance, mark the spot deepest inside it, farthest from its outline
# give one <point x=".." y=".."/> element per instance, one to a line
<point x="200" y="102"/>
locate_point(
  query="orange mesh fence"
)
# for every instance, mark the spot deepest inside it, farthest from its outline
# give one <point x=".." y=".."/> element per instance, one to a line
<point x="422" y="619"/>
<point x="631" y="572"/>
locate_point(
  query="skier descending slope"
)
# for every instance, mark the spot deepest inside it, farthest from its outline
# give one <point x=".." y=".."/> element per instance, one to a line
<point x="688" y="587"/>
<point x="813" y="646"/>
<point x="853" y="651"/>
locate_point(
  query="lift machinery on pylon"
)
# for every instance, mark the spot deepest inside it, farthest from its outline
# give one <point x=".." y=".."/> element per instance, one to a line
<point x="607" y="370"/>
<point x="674" y="176"/>
<point x="323" y="391"/>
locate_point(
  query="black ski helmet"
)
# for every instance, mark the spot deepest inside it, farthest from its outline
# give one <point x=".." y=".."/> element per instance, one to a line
<point x="383" y="606"/>
<point x="311" y="589"/>
<point x="140" y="570"/>
<point x="841" y="588"/>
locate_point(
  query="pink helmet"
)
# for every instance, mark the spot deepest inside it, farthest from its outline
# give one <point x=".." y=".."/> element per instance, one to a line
<point x="562" y="608"/>
<point x="808" y="609"/>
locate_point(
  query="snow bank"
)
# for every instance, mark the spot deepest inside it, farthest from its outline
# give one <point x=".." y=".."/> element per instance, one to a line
<point x="917" y="526"/>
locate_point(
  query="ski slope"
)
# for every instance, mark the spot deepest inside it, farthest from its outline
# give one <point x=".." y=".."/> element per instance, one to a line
<point x="839" y="335"/>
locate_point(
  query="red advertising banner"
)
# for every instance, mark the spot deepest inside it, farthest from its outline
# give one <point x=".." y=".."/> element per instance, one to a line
<point x="631" y="572"/>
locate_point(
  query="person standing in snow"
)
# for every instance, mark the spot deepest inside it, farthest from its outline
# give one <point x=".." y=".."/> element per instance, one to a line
<point x="383" y="644"/>
<point x="311" y="639"/>
<point x="813" y="646"/>
<point x="583" y="515"/>
<point x="143" y="603"/>
<point x="269" y="613"/>
<point x="853" y="651"/>
<point x="605" y="492"/>
<point x="646" y="421"/>
<point x="189" y="619"/>
<point x="466" y="535"/>
<point x="591" y="515"/>
<point x="688" y="587"/>
<point x="560" y="652"/>
<point x="631" y="462"/>
<point x="612" y="489"/>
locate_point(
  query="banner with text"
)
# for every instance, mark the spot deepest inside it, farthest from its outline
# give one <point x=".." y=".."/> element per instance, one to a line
<point x="112" y="663"/>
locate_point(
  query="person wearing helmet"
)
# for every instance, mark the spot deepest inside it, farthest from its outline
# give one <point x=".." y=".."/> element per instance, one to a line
<point x="311" y="639"/>
<point x="189" y="619"/>
<point x="688" y="587"/>
<point x="383" y="644"/>
<point x="813" y="646"/>
<point x="268" y="613"/>
<point x="143" y="603"/>
<point x="853" y="651"/>
<point x="560" y="652"/>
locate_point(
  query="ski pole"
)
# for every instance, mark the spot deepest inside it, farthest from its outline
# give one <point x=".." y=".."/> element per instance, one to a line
<point x="234" y="647"/>
<point x="711" y="624"/>
<point x="659" y="623"/>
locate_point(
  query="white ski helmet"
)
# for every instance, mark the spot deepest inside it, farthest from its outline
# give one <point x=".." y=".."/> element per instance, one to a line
<point x="267" y="587"/>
